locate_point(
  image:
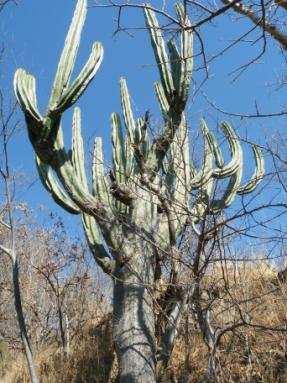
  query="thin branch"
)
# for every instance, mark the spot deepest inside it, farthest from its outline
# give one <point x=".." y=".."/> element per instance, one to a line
<point x="260" y="21"/>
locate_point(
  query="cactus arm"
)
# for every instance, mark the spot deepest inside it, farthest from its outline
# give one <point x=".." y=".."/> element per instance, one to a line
<point x="141" y="143"/>
<point x="177" y="184"/>
<point x="46" y="134"/>
<point x="201" y="205"/>
<point x="78" y="158"/>
<point x="100" y="188"/>
<point x="25" y="91"/>
<point x="206" y="196"/>
<point x="119" y="154"/>
<point x="172" y="101"/>
<point x="175" y="63"/>
<point x="95" y="241"/>
<point x="69" y="53"/>
<point x="127" y="109"/>
<point x="83" y="199"/>
<point x="177" y="69"/>
<point x="229" y="194"/>
<point x="51" y="184"/>
<point x="235" y="151"/>
<point x="62" y="95"/>
<point x="138" y="131"/>
<point x="177" y="173"/>
<point x="233" y="170"/>
<point x="161" y="145"/>
<point x="215" y="148"/>
<point x="129" y="124"/>
<point x="186" y="53"/>
<point x="72" y="184"/>
<point x="201" y="177"/>
<point x="231" y="189"/>
<point x="143" y="139"/>
<point x="140" y="134"/>
<point x="161" y="56"/>
<point x="74" y="92"/>
<point x="164" y="105"/>
<point x="54" y="164"/>
<point x="92" y="230"/>
<point x="122" y="163"/>
<point x="258" y="172"/>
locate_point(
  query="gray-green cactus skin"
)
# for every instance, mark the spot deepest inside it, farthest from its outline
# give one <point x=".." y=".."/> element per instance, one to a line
<point x="136" y="210"/>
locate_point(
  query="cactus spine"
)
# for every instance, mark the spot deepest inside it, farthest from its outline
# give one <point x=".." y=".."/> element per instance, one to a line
<point x="153" y="190"/>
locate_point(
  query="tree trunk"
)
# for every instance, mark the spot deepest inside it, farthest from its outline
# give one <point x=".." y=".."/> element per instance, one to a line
<point x="61" y="325"/>
<point x="133" y="320"/>
<point x="22" y="324"/>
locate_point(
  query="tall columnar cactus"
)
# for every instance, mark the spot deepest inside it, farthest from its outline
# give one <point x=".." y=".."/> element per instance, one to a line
<point x="134" y="214"/>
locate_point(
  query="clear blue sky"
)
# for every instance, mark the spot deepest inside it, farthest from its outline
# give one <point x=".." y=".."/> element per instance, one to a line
<point x="33" y="33"/>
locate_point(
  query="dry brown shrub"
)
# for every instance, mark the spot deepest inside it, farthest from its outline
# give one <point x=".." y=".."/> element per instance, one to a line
<point x="250" y="354"/>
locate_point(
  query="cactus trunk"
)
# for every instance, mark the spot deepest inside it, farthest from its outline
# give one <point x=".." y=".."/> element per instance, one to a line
<point x="134" y="320"/>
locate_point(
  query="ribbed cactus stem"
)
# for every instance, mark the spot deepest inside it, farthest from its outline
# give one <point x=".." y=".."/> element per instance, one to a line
<point x="52" y="185"/>
<point x="141" y="136"/>
<point x="25" y="92"/>
<point x="175" y="60"/>
<point x="235" y="152"/>
<point x="77" y="88"/>
<point x="119" y="150"/>
<point x="218" y="157"/>
<point x="69" y="54"/>
<point x="161" y="56"/>
<point x="78" y="157"/>
<point x="100" y="187"/>
<point x="129" y="124"/>
<point x="96" y="244"/>
<point x="202" y="176"/>
<point x="258" y="172"/>
<point x="164" y="105"/>
<point x="186" y="52"/>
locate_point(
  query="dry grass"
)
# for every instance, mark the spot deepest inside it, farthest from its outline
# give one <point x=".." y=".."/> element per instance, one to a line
<point x="251" y="354"/>
<point x="91" y="359"/>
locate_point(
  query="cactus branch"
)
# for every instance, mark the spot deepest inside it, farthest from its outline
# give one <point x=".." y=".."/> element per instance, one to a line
<point x="186" y="53"/>
<point x="129" y="124"/>
<point x="258" y="172"/>
<point x="68" y="57"/>
<point x="161" y="56"/>
<point x="202" y="176"/>
<point x="77" y="88"/>
<point x="100" y="188"/>
<point x="78" y="158"/>
<point x="51" y="184"/>
<point x="96" y="244"/>
<point x="25" y="91"/>
<point x="235" y="151"/>
<point x="172" y="92"/>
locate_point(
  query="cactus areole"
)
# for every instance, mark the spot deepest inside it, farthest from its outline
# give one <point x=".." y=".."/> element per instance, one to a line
<point x="134" y="214"/>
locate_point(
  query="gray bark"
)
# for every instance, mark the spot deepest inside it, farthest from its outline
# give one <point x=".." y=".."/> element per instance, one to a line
<point x="22" y="324"/>
<point x="133" y="320"/>
<point x="208" y="333"/>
